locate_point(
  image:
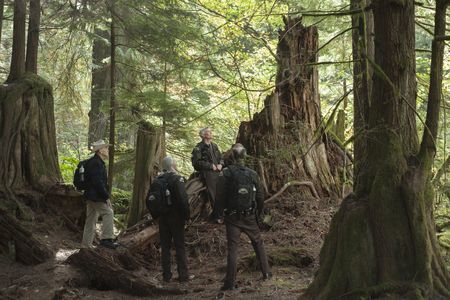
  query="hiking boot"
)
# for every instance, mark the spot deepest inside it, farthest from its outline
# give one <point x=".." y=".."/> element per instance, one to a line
<point x="186" y="278"/>
<point x="228" y="286"/>
<point x="267" y="276"/>
<point x="109" y="243"/>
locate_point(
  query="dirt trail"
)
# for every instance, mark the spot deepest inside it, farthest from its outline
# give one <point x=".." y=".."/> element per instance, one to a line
<point x="292" y="241"/>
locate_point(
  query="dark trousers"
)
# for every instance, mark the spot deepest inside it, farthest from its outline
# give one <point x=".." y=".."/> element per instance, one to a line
<point x="236" y="224"/>
<point x="210" y="179"/>
<point x="171" y="227"/>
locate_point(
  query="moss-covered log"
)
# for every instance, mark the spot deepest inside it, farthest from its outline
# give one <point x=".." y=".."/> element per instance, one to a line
<point x="18" y="241"/>
<point x="28" y="154"/>
<point x="382" y="242"/>
<point x="106" y="270"/>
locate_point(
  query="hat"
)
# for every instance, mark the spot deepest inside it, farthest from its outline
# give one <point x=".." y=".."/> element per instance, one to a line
<point x="95" y="146"/>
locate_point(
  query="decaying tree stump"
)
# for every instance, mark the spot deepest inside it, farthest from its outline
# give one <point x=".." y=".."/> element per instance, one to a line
<point x="148" y="149"/>
<point x="15" y="238"/>
<point x="28" y="154"/>
<point x="285" y="137"/>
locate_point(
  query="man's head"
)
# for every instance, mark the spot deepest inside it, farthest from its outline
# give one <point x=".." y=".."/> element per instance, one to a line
<point x="239" y="151"/>
<point x="205" y="134"/>
<point x="168" y="164"/>
<point x="100" y="148"/>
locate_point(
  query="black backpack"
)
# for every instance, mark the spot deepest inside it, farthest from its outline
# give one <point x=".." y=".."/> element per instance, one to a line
<point x="242" y="189"/>
<point x="80" y="178"/>
<point x="158" y="198"/>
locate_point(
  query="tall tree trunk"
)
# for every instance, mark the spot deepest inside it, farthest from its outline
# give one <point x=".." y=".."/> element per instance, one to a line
<point x="18" y="48"/>
<point x="363" y="53"/>
<point x="100" y="86"/>
<point x="284" y="137"/>
<point x="382" y="241"/>
<point x="2" y="10"/>
<point x="33" y="36"/>
<point x="112" y="112"/>
<point x="148" y="151"/>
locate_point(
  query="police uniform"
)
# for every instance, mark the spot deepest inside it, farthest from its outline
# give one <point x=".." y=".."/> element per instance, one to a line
<point x="204" y="156"/>
<point x="242" y="221"/>
<point x="171" y="227"/>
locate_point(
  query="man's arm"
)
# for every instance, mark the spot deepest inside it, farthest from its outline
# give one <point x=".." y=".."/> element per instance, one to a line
<point x="198" y="163"/>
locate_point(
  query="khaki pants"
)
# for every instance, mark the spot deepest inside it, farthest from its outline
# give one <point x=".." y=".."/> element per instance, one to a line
<point x="93" y="211"/>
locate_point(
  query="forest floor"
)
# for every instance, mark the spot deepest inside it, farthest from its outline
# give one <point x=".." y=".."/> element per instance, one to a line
<point x="293" y="241"/>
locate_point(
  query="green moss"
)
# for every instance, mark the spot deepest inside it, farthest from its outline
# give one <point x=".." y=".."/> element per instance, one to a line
<point x="286" y="256"/>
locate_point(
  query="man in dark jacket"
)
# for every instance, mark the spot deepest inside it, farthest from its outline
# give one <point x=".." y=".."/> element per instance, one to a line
<point x="97" y="198"/>
<point x="171" y="224"/>
<point x="207" y="159"/>
<point x="242" y="197"/>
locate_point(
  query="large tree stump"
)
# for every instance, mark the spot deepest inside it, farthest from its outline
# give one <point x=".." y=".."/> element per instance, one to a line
<point x="285" y="138"/>
<point x="28" y="154"/>
<point x="27" y="249"/>
<point x="148" y="149"/>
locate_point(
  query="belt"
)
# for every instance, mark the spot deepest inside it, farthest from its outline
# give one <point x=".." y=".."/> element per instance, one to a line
<point x="247" y="212"/>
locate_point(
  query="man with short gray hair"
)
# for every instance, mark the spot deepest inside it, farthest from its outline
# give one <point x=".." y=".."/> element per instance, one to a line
<point x="207" y="160"/>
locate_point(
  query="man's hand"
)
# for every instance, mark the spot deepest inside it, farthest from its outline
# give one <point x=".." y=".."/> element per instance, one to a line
<point x="214" y="167"/>
<point x="219" y="167"/>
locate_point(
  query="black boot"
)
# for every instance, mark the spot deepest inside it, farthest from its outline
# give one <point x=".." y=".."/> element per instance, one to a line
<point x="109" y="243"/>
<point x="267" y="276"/>
<point x="228" y="286"/>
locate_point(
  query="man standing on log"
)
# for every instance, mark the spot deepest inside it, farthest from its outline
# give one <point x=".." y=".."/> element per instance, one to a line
<point x="171" y="224"/>
<point x="242" y="196"/>
<point x="97" y="198"/>
<point x="207" y="159"/>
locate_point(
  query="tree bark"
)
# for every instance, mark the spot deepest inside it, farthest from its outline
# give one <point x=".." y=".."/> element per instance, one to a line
<point x="2" y="10"/>
<point x="33" y="36"/>
<point x="18" y="48"/>
<point x="148" y="148"/>
<point x="382" y="241"/>
<point x="100" y="86"/>
<point x="112" y="108"/>
<point x="363" y="53"/>
<point x="287" y="134"/>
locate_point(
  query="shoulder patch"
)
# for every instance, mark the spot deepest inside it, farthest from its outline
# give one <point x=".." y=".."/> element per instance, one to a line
<point x="181" y="179"/>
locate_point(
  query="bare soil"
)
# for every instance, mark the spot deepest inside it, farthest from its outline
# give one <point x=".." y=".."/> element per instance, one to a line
<point x="294" y="226"/>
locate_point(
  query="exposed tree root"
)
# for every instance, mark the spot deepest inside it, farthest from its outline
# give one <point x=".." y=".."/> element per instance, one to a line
<point x="293" y="183"/>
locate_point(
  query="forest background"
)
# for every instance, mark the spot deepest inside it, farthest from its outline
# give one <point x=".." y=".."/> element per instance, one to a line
<point x="183" y="65"/>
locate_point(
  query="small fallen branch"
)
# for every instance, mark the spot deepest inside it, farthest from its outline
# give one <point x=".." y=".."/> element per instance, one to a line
<point x="294" y="183"/>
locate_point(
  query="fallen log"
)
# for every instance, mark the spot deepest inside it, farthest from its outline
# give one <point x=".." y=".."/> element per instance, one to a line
<point x="103" y="269"/>
<point x="26" y="248"/>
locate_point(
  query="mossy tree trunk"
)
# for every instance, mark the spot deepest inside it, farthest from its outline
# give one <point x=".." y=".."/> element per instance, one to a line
<point x="2" y="10"/>
<point x="284" y="137"/>
<point x="382" y="241"/>
<point x="363" y="51"/>
<point x="33" y="36"/>
<point x="28" y="154"/>
<point x="112" y="105"/>
<point x="148" y="149"/>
